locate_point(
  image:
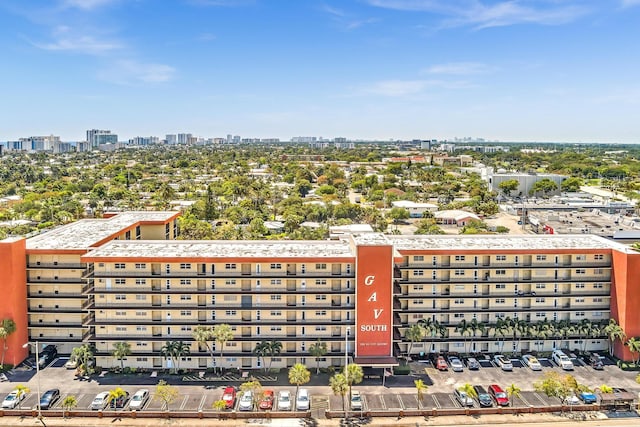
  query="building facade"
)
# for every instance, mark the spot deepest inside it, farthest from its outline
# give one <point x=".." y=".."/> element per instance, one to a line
<point x="126" y="278"/>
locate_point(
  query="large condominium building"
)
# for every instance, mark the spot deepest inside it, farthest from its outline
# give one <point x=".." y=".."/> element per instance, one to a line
<point x="97" y="137"/>
<point x="126" y="279"/>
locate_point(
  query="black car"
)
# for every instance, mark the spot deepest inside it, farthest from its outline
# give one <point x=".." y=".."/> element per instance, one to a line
<point x="47" y="355"/>
<point x="120" y="402"/>
<point x="484" y="399"/>
<point x="49" y="398"/>
<point x="593" y="360"/>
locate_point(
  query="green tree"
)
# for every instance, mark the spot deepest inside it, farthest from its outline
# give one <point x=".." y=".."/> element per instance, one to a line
<point x="222" y="333"/>
<point x="428" y="226"/>
<point x="397" y="215"/>
<point x="421" y="388"/>
<point x="166" y="393"/>
<point x="114" y="395"/>
<point x="255" y="388"/>
<point x="203" y="335"/>
<point x="298" y="375"/>
<point x="219" y="405"/>
<point x="353" y="374"/>
<point x="174" y="350"/>
<point x="339" y="387"/>
<point x="84" y="355"/>
<point x="614" y="332"/>
<point x="414" y="333"/>
<point x="7" y="327"/>
<point x="68" y="403"/>
<point x="508" y="186"/>
<point x="272" y="349"/>
<point x="554" y="384"/>
<point x="513" y="391"/>
<point x="120" y="351"/>
<point x="318" y="350"/>
<point x="21" y="390"/>
<point x="571" y="184"/>
<point x="544" y="186"/>
<point x="634" y="347"/>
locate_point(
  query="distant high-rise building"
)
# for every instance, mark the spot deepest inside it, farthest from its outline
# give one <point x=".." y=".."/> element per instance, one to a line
<point x="83" y="146"/>
<point x="184" y="138"/>
<point x="97" y="137"/>
<point x="39" y="143"/>
<point x="172" y="139"/>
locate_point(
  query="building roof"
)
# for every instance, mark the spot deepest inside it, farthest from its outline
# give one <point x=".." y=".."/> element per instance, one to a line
<point x="456" y="214"/>
<point x="409" y="204"/>
<point x="223" y="249"/>
<point x="86" y="233"/>
<point x="544" y="243"/>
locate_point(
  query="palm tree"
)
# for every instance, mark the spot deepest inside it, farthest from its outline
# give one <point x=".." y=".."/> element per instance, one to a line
<point x="522" y="329"/>
<point x="469" y="390"/>
<point x="463" y="328"/>
<point x="634" y="347"/>
<point x="120" y="351"/>
<point x="221" y="334"/>
<point x="421" y="387"/>
<point x="203" y="335"/>
<point x="318" y="350"/>
<point x="21" y="390"/>
<point x="614" y="332"/>
<point x="501" y="329"/>
<point x="339" y="386"/>
<point x="68" y="404"/>
<point x="430" y="329"/>
<point x="298" y="375"/>
<point x="83" y="354"/>
<point x="174" y="350"/>
<point x="260" y="351"/>
<point x="414" y="333"/>
<point x="7" y="327"/>
<point x="114" y="395"/>
<point x="353" y="374"/>
<point x="584" y="328"/>
<point x="475" y="328"/>
<point x="565" y="329"/>
<point x="540" y="331"/>
<point x="273" y="349"/>
<point x="513" y="391"/>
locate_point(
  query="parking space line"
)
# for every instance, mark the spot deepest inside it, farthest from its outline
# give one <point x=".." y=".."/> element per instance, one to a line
<point x="435" y="401"/>
<point x="525" y="401"/>
<point x="184" y="402"/>
<point x="540" y="399"/>
<point x="456" y="404"/>
<point x="204" y="399"/>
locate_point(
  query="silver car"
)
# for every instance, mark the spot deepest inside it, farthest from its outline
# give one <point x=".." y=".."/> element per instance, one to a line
<point x="139" y="399"/>
<point x="246" y="401"/>
<point x="456" y="364"/>
<point x="463" y="397"/>
<point x="100" y="401"/>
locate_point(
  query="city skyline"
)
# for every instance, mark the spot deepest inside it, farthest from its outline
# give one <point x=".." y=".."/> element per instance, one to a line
<point x="359" y="69"/>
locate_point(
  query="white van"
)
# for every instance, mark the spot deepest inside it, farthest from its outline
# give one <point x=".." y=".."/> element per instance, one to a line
<point x="562" y="360"/>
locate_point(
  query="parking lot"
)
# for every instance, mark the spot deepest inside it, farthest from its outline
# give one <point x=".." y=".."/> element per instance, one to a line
<point x="399" y="393"/>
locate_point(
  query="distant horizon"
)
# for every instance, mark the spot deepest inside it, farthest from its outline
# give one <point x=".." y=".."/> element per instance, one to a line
<point x="512" y="70"/>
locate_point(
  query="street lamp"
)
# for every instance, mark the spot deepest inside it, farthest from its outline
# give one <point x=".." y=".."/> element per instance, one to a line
<point x="37" y="346"/>
<point x="346" y="349"/>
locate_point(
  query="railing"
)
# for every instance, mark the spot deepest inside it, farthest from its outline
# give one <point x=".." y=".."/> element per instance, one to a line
<point x="73" y="266"/>
<point x="221" y="274"/>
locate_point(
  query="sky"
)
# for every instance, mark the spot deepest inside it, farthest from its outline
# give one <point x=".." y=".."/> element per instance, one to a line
<point x="509" y="70"/>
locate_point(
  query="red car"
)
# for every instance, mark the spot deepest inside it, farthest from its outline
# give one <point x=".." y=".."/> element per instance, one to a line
<point x="229" y="397"/>
<point x="498" y="395"/>
<point x="441" y="364"/>
<point x="267" y="400"/>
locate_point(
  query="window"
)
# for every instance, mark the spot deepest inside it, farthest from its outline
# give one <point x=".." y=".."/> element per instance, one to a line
<point x="276" y="281"/>
<point x="185" y="313"/>
<point x="230" y="298"/>
<point x="121" y="313"/>
<point x="540" y="286"/>
<point x="540" y="300"/>
<point x="141" y="297"/>
<point x="540" y="315"/>
<point x="458" y="315"/>
<point x="597" y="300"/>
<point x="276" y="313"/>
<point x="121" y="329"/>
<point x="581" y="257"/>
<point x="276" y="297"/>
<point x="418" y="272"/>
<point x="598" y="257"/>
<point x="501" y="257"/>
<point x="185" y="266"/>
<point x="460" y="257"/>
<point x="120" y="281"/>
<point x="321" y="282"/>
<point x="598" y="286"/>
<point x="185" y="297"/>
<point x="579" y="285"/>
<point x="581" y="271"/>
<point x="141" y="266"/>
<point x="501" y="286"/>
<point x="141" y="281"/>
<point x="458" y="301"/>
<point x="185" y="329"/>
<point x="230" y="312"/>
<point x="459" y="273"/>
<point x="185" y="281"/>
<point x="119" y="266"/>
<point x="230" y="266"/>
<point x="580" y="314"/>
<point x="500" y="300"/>
<point x="500" y="315"/>
<point x="598" y="271"/>
<point x="501" y="272"/>
<point x="321" y="313"/>
<point x="418" y="258"/>
<point x="597" y="314"/>
<point x="579" y="300"/>
<point x="230" y="282"/>
<point x="121" y="297"/>
<point x="141" y="313"/>
<point x="321" y="328"/>
<point x="321" y="297"/>
<point x="276" y="329"/>
<point x="275" y="266"/>
<point x="541" y="257"/>
<point x="418" y="301"/>
<point x="141" y="328"/>
<point x="418" y="287"/>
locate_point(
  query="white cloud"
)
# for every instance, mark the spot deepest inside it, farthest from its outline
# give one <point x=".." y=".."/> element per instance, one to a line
<point x="130" y="72"/>
<point x="630" y="3"/>
<point x="87" y="4"/>
<point x="482" y="14"/>
<point x="345" y="20"/>
<point x="460" y="68"/>
<point x="403" y="88"/>
<point x="65" y="39"/>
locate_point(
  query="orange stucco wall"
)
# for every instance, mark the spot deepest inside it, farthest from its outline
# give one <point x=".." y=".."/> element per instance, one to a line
<point x="625" y="297"/>
<point x="13" y="296"/>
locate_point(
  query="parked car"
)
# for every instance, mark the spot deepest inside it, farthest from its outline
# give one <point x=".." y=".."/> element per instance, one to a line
<point x="463" y="397"/>
<point x="302" y="400"/>
<point x="441" y="364"/>
<point x="246" y="401"/>
<point x="498" y="395"/>
<point x="562" y="360"/>
<point x="472" y="363"/>
<point x="229" y="397"/>
<point x="484" y="399"/>
<point x="456" y="364"/>
<point x="587" y="397"/>
<point x="49" y="398"/>
<point x="47" y="355"/>
<point x="120" y="401"/>
<point x="13" y="399"/>
<point x="139" y="398"/>
<point x="572" y="400"/>
<point x="356" y="400"/>
<point x="100" y="401"/>
<point x="284" y="400"/>
<point x="72" y="363"/>
<point x="593" y="360"/>
<point x="531" y="362"/>
<point x="502" y="362"/>
<point x="267" y="400"/>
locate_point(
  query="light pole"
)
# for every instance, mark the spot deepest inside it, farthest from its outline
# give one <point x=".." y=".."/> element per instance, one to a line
<point x="37" y="346"/>
<point x="346" y="349"/>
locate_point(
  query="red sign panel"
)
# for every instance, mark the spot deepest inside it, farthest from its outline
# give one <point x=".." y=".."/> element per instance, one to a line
<point x="374" y="273"/>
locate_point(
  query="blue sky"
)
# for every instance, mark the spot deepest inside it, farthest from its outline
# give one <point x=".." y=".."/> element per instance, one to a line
<point x="518" y="70"/>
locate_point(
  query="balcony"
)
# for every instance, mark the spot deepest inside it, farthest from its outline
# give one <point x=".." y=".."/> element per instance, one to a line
<point x="179" y="274"/>
<point x="55" y="265"/>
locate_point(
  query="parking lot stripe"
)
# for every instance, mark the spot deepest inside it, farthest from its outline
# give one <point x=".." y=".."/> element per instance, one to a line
<point x="544" y="403"/>
<point x="204" y="398"/>
<point x="435" y="401"/>
<point x="456" y="404"/>
<point x="184" y="402"/>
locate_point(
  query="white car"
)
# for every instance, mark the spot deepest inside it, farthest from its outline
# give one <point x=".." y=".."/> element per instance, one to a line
<point x="139" y="398"/>
<point x="302" y="401"/>
<point x="502" y="362"/>
<point x="100" y="401"/>
<point x="246" y="401"/>
<point x="72" y="363"/>
<point x="456" y="364"/>
<point x="572" y="400"/>
<point x="562" y="360"/>
<point x="13" y="399"/>
<point x="531" y="362"/>
<point x="356" y="400"/>
<point x="284" y="400"/>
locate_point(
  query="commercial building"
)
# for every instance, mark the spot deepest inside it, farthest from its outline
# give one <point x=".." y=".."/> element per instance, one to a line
<point x="97" y="137"/>
<point x="126" y="278"/>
